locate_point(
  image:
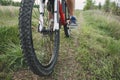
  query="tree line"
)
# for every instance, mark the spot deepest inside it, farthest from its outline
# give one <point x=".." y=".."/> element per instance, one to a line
<point x="111" y="7"/>
<point x="9" y="2"/>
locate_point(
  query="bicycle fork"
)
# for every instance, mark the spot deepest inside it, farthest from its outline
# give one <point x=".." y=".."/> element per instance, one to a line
<point x="57" y="11"/>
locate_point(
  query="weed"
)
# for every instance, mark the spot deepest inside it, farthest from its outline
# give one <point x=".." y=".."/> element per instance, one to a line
<point x="98" y="52"/>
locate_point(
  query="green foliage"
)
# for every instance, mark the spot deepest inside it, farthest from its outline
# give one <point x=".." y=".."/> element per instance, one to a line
<point x="118" y="10"/>
<point x="10" y="50"/>
<point x="16" y="3"/>
<point x="5" y="2"/>
<point x="8" y="16"/>
<point x="111" y="7"/>
<point x="114" y="8"/>
<point x="9" y="2"/>
<point x="98" y="53"/>
<point x="11" y="58"/>
<point x="89" y="5"/>
<point x="96" y="48"/>
<point x="99" y="6"/>
<point x="107" y="6"/>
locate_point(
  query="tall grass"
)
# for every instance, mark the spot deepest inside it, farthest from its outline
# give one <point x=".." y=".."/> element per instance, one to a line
<point x="9" y="11"/>
<point x="105" y="22"/>
<point x="8" y="16"/>
<point x="11" y="57"/>
<point x="99" y="49"/>
<point x="97" y="46"/>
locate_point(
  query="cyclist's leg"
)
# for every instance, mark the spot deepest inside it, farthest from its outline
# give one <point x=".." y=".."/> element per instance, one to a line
<point x="50" y="15"/>
<point x="71" y="6"/>
<point x="49" y="5"/>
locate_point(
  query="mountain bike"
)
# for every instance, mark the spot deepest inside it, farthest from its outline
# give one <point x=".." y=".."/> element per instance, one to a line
<point x="40" y="37"/>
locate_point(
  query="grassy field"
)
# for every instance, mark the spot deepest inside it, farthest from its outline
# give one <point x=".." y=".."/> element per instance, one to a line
<point x="11" y="58"/>
<point x="92" y="52"/>
<point x="99" y="50"/>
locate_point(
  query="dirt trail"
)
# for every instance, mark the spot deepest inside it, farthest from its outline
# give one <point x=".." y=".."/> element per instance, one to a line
<point x="66" y="67"/>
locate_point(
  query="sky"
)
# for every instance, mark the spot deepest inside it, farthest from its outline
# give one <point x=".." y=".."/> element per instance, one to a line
<point x="79" y="4"/>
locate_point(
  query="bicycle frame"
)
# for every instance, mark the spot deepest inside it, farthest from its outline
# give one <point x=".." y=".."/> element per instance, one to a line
<point x="57" y="10"/>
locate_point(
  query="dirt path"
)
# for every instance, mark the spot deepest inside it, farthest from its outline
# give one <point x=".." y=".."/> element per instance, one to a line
<point x="66" y="67"/>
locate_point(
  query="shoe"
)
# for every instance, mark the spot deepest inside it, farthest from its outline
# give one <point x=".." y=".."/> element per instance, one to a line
<point x="73" y="24"/>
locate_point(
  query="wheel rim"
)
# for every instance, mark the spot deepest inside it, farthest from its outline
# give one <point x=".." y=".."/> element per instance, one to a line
<point x="43" y="43"/>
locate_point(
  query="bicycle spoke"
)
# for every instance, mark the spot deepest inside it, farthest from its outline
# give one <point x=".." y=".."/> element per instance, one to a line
<point x="43" y="44"/>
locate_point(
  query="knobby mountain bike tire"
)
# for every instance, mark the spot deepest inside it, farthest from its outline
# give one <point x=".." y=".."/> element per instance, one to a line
<point x="40" y="49"/>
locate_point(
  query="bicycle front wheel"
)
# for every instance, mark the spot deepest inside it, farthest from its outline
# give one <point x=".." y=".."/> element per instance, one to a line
<point x="40" y="48"/>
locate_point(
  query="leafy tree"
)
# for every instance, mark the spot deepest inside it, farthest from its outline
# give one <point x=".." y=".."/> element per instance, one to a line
<point x="107" y="6"/>
<point x="5" y="2"/>
<point x="99" y="6"/>
<point x="113" y="7"/>
<point x="118" y="10"/>
<point x="89" y="5"/>
<point x="16" y="3"/>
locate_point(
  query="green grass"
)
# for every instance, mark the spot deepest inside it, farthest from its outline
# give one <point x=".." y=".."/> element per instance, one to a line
<point x="99" y="49"/>
<point x="11" y="58"/>
<point x="92" y="53"/>
<point x="8" y="16"/>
